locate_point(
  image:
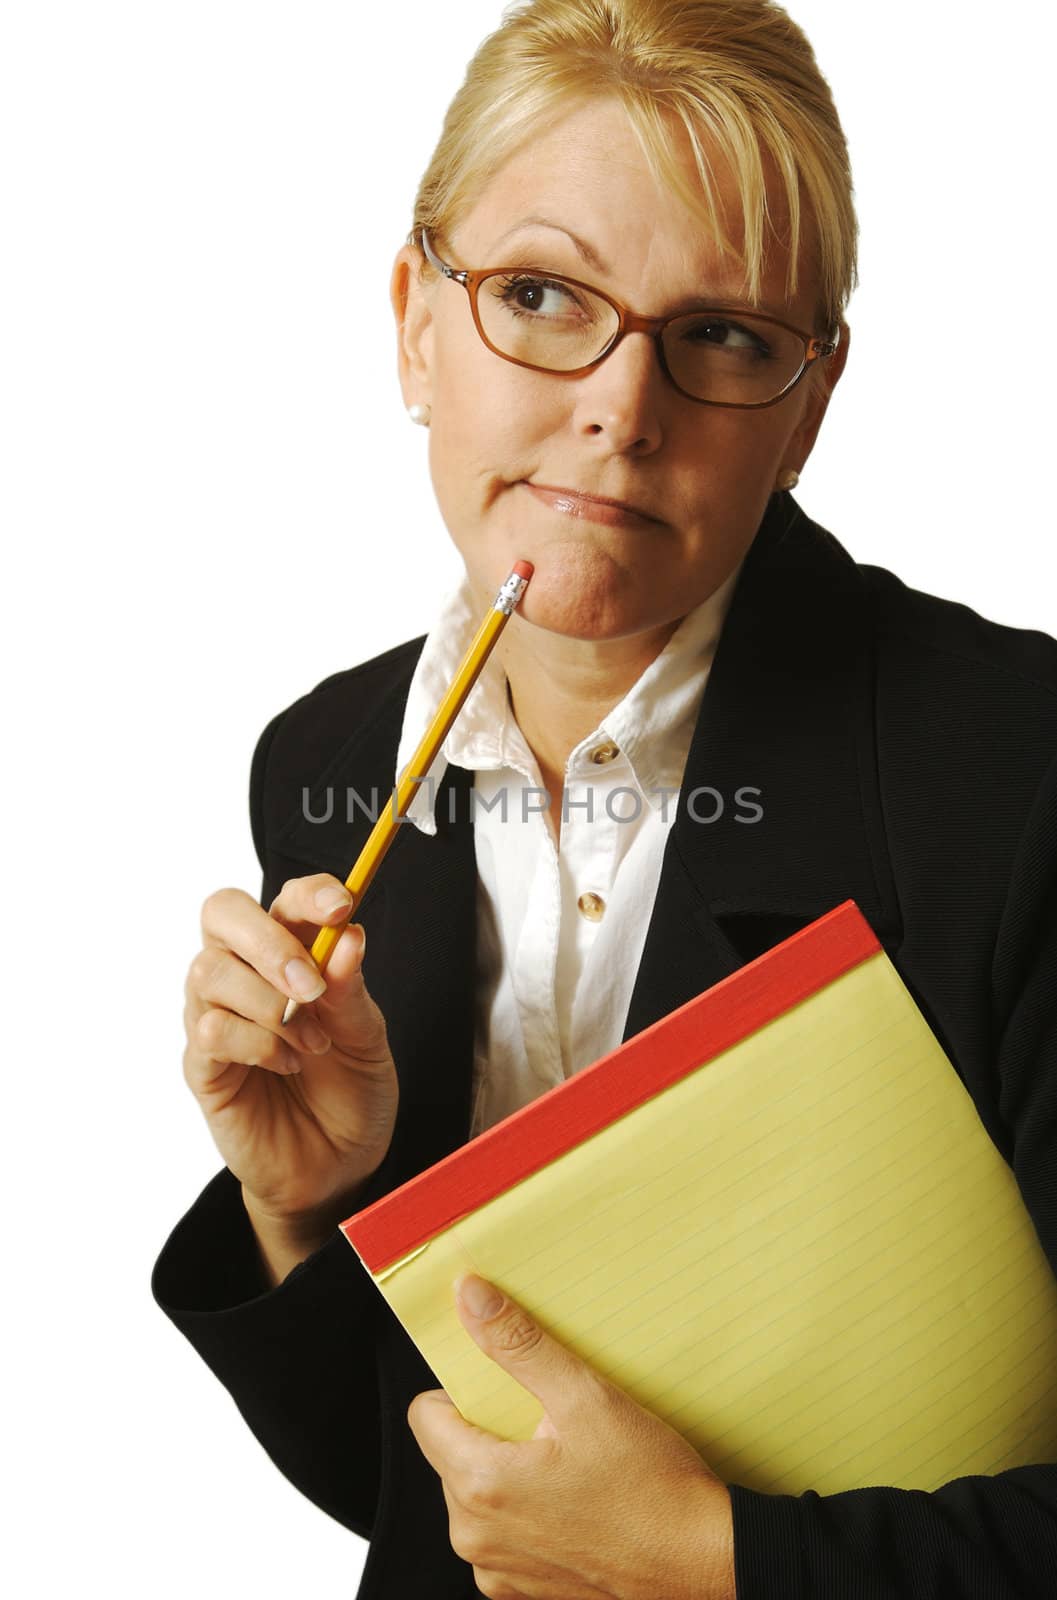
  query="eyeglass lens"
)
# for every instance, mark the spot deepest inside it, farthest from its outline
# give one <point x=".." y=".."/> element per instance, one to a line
<point x="732" y="358"/>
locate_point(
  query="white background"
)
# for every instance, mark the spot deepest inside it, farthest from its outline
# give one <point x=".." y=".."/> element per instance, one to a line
<point x="212" y="499"/>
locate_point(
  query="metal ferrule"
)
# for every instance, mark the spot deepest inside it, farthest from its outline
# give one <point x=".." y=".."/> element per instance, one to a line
<point x="509" y="595"/>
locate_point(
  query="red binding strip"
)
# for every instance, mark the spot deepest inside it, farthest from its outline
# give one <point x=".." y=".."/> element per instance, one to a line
<point x="611" y="1087"/>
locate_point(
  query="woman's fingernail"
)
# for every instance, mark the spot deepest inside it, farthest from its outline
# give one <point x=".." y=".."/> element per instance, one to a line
<point x="331" y="900"/>
<point x="481" y="1299"/>
<point x="305" y="980"/>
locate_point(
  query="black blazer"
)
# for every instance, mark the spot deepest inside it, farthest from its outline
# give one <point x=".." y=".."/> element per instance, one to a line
<point x="904" y="750"/>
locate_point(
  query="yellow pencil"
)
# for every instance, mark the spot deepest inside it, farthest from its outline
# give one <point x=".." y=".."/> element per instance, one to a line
<point x="384" y="831"/>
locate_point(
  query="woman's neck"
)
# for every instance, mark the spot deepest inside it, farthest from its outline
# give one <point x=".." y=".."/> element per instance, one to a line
<point x="562" y="689"/>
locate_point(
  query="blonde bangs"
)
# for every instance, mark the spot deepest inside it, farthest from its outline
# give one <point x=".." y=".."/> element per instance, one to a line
<point x="737" y="79"/>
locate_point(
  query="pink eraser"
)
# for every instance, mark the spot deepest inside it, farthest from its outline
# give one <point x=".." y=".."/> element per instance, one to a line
<point x="524" y="569"/>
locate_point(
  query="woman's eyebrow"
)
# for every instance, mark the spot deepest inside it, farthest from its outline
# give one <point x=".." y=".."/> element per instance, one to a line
<point x="585" y="251"/>
<point x="731" y="297"/>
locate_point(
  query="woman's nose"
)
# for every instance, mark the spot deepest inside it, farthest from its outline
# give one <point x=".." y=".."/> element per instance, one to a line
<point x="623" y="397"/>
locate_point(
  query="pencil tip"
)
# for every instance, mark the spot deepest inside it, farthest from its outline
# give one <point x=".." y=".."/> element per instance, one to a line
<point x="291" y="1008"/>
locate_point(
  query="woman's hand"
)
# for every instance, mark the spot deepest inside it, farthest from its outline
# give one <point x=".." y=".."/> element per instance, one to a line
<point x="604" y="1502"/>
<point x="302" y="1114"/>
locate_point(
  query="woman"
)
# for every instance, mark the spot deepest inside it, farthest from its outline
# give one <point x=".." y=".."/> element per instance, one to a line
<point x="683" y="163"/>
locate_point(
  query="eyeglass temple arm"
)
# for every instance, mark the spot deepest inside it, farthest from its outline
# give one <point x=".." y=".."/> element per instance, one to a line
<point x="825" y="347"/>
<point x="432" y="257"/>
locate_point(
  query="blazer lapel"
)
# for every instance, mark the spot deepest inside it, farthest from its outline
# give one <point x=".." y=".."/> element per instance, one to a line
<point x="419" y="916"/>
<point x="779" y="816"/>
<point x="423" y="942"/>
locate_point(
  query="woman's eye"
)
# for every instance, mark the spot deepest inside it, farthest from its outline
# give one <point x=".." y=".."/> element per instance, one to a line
<point x="528" y="296"/>
<point x="726" y="336"/>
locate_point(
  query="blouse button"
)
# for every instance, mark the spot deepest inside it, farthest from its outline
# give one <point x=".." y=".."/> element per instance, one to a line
<point x="604" y="752"/>
<point x="592" y="906"/>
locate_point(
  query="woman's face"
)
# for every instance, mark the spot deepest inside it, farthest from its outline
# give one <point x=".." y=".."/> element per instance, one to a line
<point x="699" y="475"/>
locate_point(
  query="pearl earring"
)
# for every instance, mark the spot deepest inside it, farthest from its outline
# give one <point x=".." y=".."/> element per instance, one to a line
<point x="420" y="414"/>
<point x="788" y="478"/>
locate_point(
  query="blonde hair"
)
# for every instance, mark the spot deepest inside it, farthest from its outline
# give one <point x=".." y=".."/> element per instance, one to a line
<point x="739" y="73"/>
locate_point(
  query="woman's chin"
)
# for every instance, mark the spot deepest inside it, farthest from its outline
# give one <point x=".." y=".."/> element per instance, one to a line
<point x="579" y="606"/>
<point x="583" y="588"/>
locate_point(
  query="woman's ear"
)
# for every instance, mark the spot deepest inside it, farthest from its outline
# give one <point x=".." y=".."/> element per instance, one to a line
<point x="414" y="326"/>
<point x="803" y="440"/>
<point x="832" y="369"/>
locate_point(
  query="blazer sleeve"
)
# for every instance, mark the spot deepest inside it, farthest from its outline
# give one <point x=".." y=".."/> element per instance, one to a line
<point x="297" y="1359"/>
<point x="977" y="1537"/>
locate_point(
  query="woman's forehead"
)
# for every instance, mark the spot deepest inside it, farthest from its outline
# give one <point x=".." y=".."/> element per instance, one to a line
<point x="582" y="190"/>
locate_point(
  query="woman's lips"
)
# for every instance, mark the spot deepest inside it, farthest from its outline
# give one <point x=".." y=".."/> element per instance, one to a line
<point x="573" y="504"/>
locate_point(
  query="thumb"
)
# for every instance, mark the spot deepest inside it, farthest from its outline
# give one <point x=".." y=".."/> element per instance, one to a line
<point x="346" y="1012"/>
<point x="514" y="1340"/>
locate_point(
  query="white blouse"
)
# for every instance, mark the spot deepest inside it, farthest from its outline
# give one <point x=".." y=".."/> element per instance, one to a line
<point x="560" y="925"/>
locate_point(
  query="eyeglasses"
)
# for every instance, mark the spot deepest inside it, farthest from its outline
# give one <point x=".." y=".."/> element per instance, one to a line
<point x="717" y="356"/>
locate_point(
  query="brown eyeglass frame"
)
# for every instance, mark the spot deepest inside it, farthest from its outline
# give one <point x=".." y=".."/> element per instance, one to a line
<point x="815" y="349"/>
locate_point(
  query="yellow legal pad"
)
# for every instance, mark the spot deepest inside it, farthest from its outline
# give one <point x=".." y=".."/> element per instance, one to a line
<point x="774" y="1218"/>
